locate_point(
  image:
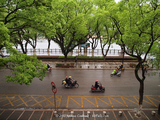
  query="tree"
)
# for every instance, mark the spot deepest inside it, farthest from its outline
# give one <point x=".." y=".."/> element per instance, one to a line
<point x="70" y="24"/>
<point x="25" y="37"/>
<point x="4" y="34"/>
<point x="138" y="26"/>
<point x="155" y="55"/>
<point x="15" y="17"/>
<point x="104" y="27"/>
<point x="93" y="32"/>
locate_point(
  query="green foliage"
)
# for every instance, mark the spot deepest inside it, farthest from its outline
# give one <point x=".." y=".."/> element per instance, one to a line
<point x="138" y="25"/>
<point x="2" y="62"/>
<point x="59" y="64"/>
<point x="25" y="68"/>
<point x="69" y="19"/>
<point x="155" y="55"/>
<point x="20" y="20"/>
<point x="4" y="34"/>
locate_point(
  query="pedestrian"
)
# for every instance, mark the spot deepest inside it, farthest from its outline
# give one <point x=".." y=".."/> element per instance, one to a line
<point x="75" y="58"/>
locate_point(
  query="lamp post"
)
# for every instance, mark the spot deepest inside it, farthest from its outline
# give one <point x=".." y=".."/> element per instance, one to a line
<point x="122" y="54"/>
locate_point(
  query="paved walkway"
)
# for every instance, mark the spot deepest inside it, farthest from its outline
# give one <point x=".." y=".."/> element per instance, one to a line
<point x="93" y="65"/>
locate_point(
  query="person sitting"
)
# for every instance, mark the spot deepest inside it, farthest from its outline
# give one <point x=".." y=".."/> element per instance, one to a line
<point x="96" y="84"/>
<point x="117" y="70"/>
<point x="114" y="72"/>
<point x="70" y="80"/>
<point x="66" y="79"/>
<point x="48" y="67"/>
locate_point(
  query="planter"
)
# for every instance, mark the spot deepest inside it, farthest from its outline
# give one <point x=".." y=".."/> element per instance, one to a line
<point x="59" y="65"/>
<point x="71" y="64"/>
<point x="64" y="66"/>
<point x="132" y="65"/>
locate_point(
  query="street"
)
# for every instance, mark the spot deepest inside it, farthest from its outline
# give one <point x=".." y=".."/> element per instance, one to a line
<point x="120" y="92"/>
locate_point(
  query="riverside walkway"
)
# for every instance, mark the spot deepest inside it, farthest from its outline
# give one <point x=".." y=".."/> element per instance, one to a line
<point x="111" y="62"/>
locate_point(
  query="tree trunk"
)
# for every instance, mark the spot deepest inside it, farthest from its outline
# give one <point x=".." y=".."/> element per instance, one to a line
<point x="34" y="51"/>
<point x="49" y="43"/>
<point x="1" y="53"/>
<point x="92" y="52"/>
<point x="104" y="57"/>
<point x="65" y="59"/>
<point x="26" y="47"/>
<point x="22" y="48"/>
<point x="141" y="91"/>
<point x="141" y="88"/>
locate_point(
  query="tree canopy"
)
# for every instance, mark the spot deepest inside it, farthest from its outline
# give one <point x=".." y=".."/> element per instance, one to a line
<point x="16" y="16"/>
<point x="138" y="25"/>
<point x="70" y="23"/>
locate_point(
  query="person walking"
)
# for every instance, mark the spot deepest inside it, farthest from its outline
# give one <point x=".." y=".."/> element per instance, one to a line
<point x="75" y="58"/>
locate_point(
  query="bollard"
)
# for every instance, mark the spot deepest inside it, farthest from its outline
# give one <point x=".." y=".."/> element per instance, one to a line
<point x="120" y="113"/>
<point x="88" y="113"/>
<point x="72" y="112"/>
<point x="159" y="109"/>
<point x="104" y="113"/>
<point x="153" y="113"/>
<point x="55" y="113"/>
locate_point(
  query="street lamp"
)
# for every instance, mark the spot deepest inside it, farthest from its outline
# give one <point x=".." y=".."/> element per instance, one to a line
<point x="122" y="55"/>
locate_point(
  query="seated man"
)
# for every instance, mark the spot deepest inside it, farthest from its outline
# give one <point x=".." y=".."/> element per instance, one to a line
<point x="48" y="67"/>
<point x="70" y="80"/>
<point x="66" y="79"/>
<point x="96" y="84"/>
<point x="114" y="72"/>
<point x="117" y="70"/>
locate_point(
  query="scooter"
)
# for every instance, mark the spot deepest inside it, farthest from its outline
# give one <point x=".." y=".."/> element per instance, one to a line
<point x="100" y="89"/>
<point x="73" y="84"/>
<point x="49" y="69"/>
<point x="117" y="74"/>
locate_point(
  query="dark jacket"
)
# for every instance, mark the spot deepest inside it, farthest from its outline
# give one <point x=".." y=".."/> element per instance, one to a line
<point x="96" y="85"/>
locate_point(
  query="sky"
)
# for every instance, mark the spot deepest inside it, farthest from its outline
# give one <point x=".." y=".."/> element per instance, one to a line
<point x="117" y="1"/>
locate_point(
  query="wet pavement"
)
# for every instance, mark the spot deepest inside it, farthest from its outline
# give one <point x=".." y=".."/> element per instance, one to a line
<point x="93" y="65"/>
<point x="118" y="102"/>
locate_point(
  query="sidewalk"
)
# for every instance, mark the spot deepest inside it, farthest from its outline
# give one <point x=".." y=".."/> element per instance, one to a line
<point x="77" y="114"/>
<point x="93" y="65"/>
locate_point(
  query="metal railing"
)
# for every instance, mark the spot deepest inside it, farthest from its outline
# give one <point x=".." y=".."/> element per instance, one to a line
<point x="75" y="52"/>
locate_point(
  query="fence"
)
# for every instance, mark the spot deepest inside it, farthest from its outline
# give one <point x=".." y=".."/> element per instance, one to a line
<point x="75" y="52"/>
